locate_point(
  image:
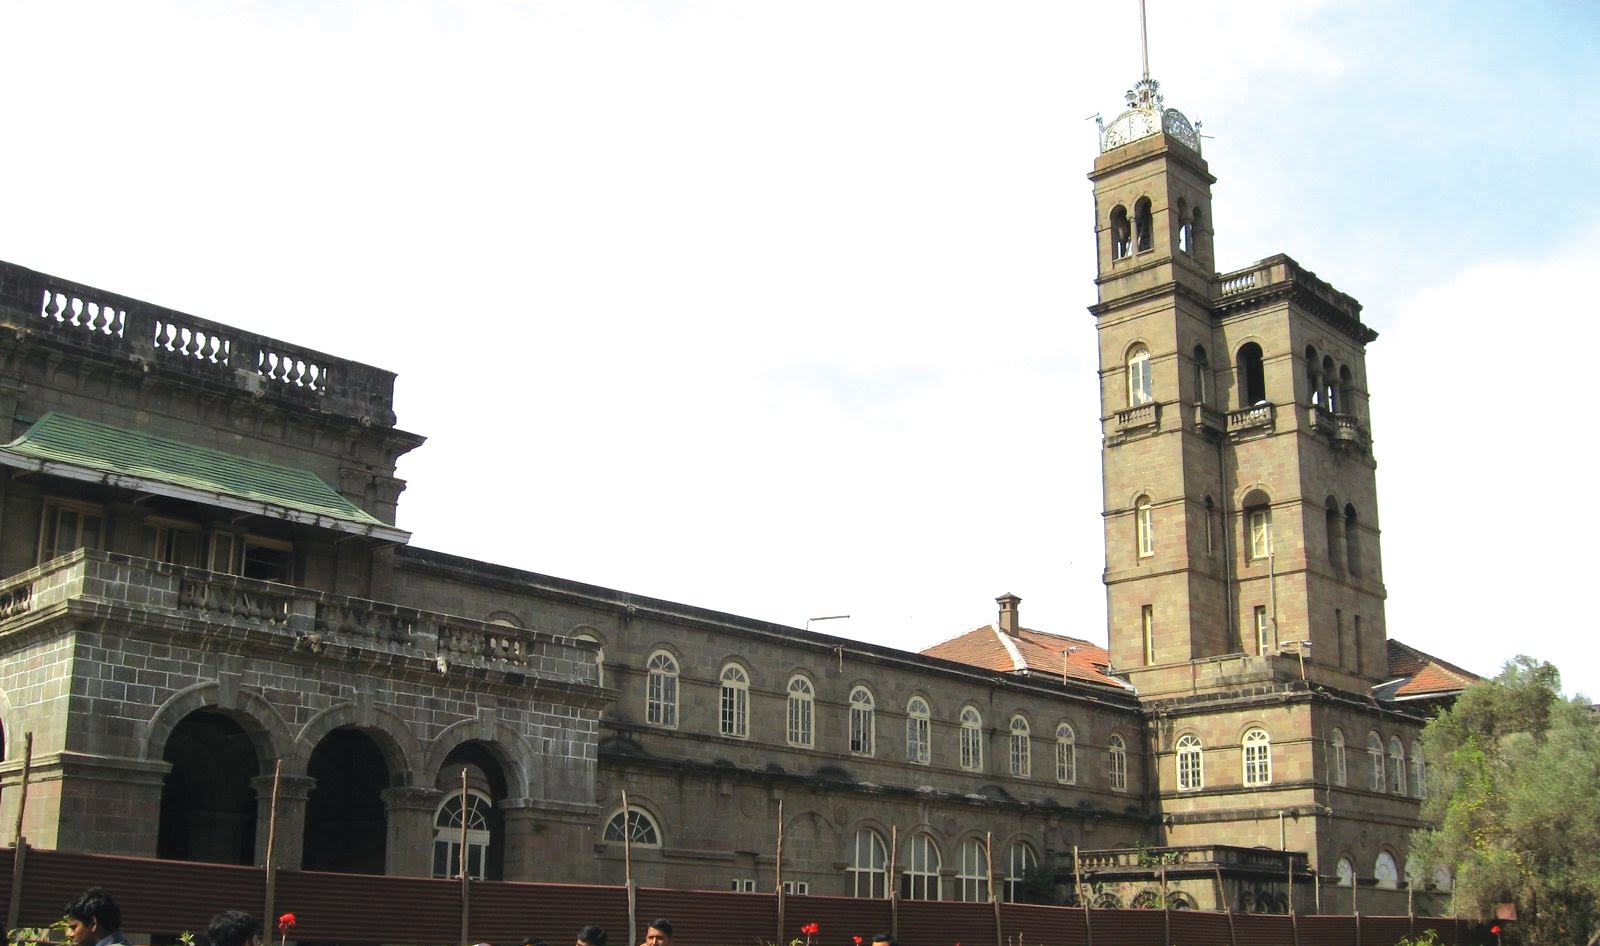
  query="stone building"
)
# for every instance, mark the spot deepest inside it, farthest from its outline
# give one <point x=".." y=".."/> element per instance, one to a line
<point x="205" y="589"/>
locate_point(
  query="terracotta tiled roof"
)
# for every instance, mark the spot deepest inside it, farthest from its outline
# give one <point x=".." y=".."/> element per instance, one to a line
<point x="1030" y="651"/>
<point x="1418" y="674"/>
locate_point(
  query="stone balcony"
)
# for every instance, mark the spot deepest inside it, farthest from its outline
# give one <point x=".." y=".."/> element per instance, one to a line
<point x="1344" y="430"/>
<point x="1260" y="417"/>
<point x="1136" y="864"/>
<point x="1280" y="277"/>
<point x="268" y="617"/>
<point x="157" y="338"/>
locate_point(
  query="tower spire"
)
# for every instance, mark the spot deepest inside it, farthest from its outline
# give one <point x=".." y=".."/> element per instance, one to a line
<point x="1144" y="42"/>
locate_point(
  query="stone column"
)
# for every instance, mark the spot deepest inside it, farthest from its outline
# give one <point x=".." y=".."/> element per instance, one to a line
<point x="409" y="846"/>
<point x="289" y="843"/>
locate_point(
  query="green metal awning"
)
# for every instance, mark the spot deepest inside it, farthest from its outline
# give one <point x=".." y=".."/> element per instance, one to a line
<point x="89" y="451"/>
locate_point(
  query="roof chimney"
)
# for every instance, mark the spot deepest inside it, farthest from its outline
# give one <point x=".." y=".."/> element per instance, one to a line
<point x="1008" y="613"/>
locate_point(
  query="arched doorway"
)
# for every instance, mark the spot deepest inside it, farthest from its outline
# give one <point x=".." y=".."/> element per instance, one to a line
<point x="486" y="825"/>
<point x="208" y="810"/>
<point x="345" y="817"/>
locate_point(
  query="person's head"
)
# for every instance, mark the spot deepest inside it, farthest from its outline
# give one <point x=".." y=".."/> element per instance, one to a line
<point x="234" y="928"/>
<point x="92" y="916"/>
<point x="659" y="933"/>
<point x="533" y="941"/>
<point x="883" y="939"/>
<point x="591" y="936"/>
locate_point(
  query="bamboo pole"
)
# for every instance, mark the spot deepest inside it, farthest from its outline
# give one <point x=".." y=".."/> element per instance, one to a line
<point x="465" y="875"/>
<point x="1083" y="896"/>
<point x="994" y="898"/>
<point x="778" y="876"/>
<point x="1166" y="907"/>
<point x="890" y="888"/>
<point x="627" y="867"/>
<point x="19" y="855"/>
<point x="271" y="863"/>
<point x="27" y="772"/>
<point x="1222" y="894"/>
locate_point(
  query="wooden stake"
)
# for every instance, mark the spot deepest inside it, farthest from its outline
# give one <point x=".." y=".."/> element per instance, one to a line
<point x="27" y="772"/>
<point x="778" y="877"/>
<point x="627" y="867"/>
<point x="465" y="875"/>
<point x="890" y="889"/>
<point x="1083" y="897"/>
<point x="994" y="899"/>
<point x="272" y="837"/>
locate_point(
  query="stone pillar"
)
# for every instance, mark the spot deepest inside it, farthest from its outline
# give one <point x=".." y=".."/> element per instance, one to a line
<point x="409" y="846"/>
<point x="548" y="841"/>
<point x="289" y="843"/>
<point x="103" y="804"/>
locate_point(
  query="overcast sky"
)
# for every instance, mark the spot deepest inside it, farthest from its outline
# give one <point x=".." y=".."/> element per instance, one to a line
<point x="780" y="308"/>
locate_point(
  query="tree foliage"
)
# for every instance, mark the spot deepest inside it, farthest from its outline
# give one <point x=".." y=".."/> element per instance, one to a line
<point x="1513" y="804"/>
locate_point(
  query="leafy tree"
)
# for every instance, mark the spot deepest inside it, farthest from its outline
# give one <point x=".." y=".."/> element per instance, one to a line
<point x="1513" y="804"/>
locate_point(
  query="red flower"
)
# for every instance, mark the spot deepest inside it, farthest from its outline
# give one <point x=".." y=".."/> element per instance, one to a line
<point x="284" y="922"/>
<point x="857" y="939"/>
<point x="810" y="929"/>
<point x="1495" y="929"/>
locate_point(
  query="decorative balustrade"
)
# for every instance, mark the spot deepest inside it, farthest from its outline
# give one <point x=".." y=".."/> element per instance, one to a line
<point x="1250" y="418"/>
<point x="1281" y="271"/>
<point x="224" y="598"/>
<point x="1140" y="415"/>
<point x="16" y="599"/>
<point x="1199" y="856"/>
<point x="85" y="316"/>
<point x="1236" y="283"/>
<point x="1207" y="419"/>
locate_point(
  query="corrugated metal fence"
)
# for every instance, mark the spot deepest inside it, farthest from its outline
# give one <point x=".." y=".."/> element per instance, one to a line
<point x="169" y="897"/>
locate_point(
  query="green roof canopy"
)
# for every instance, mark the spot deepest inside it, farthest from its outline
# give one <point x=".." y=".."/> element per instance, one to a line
<point x="79" y="449"/>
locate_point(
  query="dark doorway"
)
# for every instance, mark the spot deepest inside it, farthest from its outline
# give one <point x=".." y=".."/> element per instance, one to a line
<point x="345" y="815"/>
<point x="485" y="818"/>
<point x="208" y="810"/>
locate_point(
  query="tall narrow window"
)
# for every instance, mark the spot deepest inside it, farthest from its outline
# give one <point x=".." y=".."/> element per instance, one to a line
<point x="868" y="868"/>
<point x="1021" y="755"/>
<point x="1260" y="519"/>
<point x="1210" y="530"/>
<point x="971" y="739"/>
<point x="1375" y="761"/>
<point x="1332" y="524"/>
<point x="1346" y="872"/>
<point x="972" y="883"/>
<point x="735" y="702"/>
<point x="447" y="835"/>
<point x="1263" y="631"/>
<point x="1117" y="763"/>
<point x="1355" y="638"/>
<point x="1257" y="757"/>
<point x="1140" y="387"/>
<point x="1397" y="766"/>
<point x="1419" y="772"/>
<point x="801" y="701"/>
<point x="1352" y="541"/>
<point x="1147" y="627"/>
<point x="661" y="690"/>
<point x="1020" y="861"/>
<point x="69" y="525"/>
<point x="921" y="878"/>
<point x="1143" y="230"/>
<point x="1191" y="766"/>
<point x="1202" y="372"/>
<point x="1066" y="754"/>
<point x="861" y="721"/>
<point x="1384" y="872"/>
<point x="1252" y="376"/>
<point x="1347" y="390"/>
<point x="1144" y="531"/>
<point x="1313" y="378"/>
<point x="1121" y="233"/>
<point x="1185" y="228"/>
<point x="917" y="724"/>
<point x="1338" y="638"/>
<point x="1332" y="397"/>
<point x="599" y="657"/>
<point x="1336" y="767"/>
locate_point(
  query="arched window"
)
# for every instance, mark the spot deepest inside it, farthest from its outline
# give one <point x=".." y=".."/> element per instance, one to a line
<point x="735" y="702"/>
<point x="1211" y="530"/>
<point x="1197" y="230"/>
<point x="972" y="883"/>
<point x="1147" y="630"/>
<point x="1352" y="541"/>
<point x="641" y="829"/>
<point x="1117" y="763"/>
<point x="801" y="700"/>
<point x="1121" y="233"/>
<point x="1258" y="520"/>
<point x="1346" y="872"/>
<point x="868" y="870"/>
<point x="1336" y="769"/>
<point x="1332" y="400"/>
<point x="1419" y="772"/>
<point x="1375" y="760"/>
<point x="1252" y="376"/>
<point x="1021" y="756"/>
<point x="447" y="836"/>
<point x="1257" y="747"/>
<point x="1347" y="389"/>
<point x="599" y="657"/>
<point x="1441" y="879"/>
<point x="917" y="724"/>
<point x="861" y="721"/>
<point x="661" y="690"/>
<point x="1143" y="527"/>
<point x="1333" y="525"/>
<point x="1202" y="372"/>
<point x="971" y="739"/>
<point x="1313" y="379"/>
<point x="1384" y="870"/>
<point x="1397" y="766"/>
<point x="1191" y="767"/>
<point x="921" y="878"/>
<point x="1066" y="754"/>
<point x="1141" y="390"/>
<point x="1143" y="231"/>
<point x="1185" y="228"/>
<point x="1020" y="859"/>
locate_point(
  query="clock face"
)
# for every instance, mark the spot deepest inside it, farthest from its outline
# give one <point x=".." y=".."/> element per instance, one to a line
<point x="1131" y="125"/>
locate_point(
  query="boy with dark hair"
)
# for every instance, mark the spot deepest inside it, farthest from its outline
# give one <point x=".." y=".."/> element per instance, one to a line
<point x="591" y="936"/>
<point x="93" y="919"/>
<point x="234" y="928"/>
<point x="659" y="933"/>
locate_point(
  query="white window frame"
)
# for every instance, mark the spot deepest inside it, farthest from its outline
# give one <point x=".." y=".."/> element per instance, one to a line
<point x="869" y="868"/>
<point x="971" y="739"/>
<point x="1066" y="755"/>
<point x="1147" y="629"/>
<point x="1257" y="756"/>
<point x="1336" y="759"/>
<point x="642" y="828"/>
<point x="733" y="703"/>
<point x="447" y="835"/>
<point x="1141" y="389"/>
<point x="802" y="705"/>
<point x="1263" y="631"/>
<point x="1117" y="763"/>
<point x="1189" y="756"/>
<point x="921" y="879"/>
<point x="1378" y="782"/>
<point x="863" y="713"/>
<point x="1260" y="519"/>
<point x="918" y="727"/>
<point x="1386" y="872"/>
<point x="972" y="881"/>
<point x="1345" y="871"/>
<point x="1020" y="858"/>
<point x="1419" y="772"/>
<point x="1021" y="749"/>
<point x="743" y="885"/>
<point x="1397" y="766"/>
<point x="661" y="690"/>
<point x="1144" y="528"/>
